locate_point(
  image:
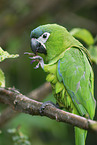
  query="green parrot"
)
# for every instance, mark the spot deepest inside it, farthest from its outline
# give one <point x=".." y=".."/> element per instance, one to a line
<point x="68" y="69"/>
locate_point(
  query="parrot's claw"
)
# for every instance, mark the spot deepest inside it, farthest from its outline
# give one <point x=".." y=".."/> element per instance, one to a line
<point x="37" y="66"/>
<point x="39" y="59"/>
<point x="31" y="54"/>
<point x="48" y="103"/>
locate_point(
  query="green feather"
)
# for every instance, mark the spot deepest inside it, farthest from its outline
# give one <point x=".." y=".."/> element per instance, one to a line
<point x="77" y="75"/>
<point x="70" y="73"/>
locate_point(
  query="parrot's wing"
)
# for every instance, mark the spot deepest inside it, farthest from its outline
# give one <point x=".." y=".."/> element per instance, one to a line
<point x="76" y="74"/>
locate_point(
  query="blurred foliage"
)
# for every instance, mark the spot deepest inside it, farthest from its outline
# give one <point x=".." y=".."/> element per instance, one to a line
<point x="87" y="38"/>
<point x="83" y="34"/>
<point x="2" y="79"/>
<point x="18" y="137"/>
<point x="18" y="18"/>
<point x="93" y="53"/>
<point x="4" y="55"/>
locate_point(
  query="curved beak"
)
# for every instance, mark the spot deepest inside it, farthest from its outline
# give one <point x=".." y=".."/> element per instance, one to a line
<point x="37" y="46"/>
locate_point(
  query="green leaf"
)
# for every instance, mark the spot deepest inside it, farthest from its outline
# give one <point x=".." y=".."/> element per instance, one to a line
<point x="93" y="53"/>
<point x="83" y="35"/>
<point x="2" y="79"/>
<point x="5" y="54"/>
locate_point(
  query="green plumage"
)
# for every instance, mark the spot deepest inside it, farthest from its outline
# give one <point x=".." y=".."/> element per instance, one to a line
<point x="70" y="74"/>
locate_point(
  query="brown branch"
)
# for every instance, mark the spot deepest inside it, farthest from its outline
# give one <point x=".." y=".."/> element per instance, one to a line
<point x="24" y="104"/>
<point x="38" y="94"/>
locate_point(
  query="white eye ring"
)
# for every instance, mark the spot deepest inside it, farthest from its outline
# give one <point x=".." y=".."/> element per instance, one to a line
<point x="44" y="37"/>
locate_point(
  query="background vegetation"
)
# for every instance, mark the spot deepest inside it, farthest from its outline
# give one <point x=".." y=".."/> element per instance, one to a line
<point x="17" y="19"/>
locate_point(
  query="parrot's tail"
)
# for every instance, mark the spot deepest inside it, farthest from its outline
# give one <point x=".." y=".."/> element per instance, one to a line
<point x="80" y="136"/>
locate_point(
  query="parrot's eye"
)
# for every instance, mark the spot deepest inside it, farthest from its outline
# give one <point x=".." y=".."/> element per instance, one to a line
<point x="43" y="38"/>
<point x="44" y="35"/>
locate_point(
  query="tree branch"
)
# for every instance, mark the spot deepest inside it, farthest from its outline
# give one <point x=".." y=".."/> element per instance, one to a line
<point x="38" y="94"/>
<point x="21" y="103"/>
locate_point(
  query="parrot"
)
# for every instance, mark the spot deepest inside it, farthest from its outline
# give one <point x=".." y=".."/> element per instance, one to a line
<point x="69" y="71"/>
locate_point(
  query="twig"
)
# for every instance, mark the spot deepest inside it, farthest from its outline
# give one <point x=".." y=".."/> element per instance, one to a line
<point x="22" y="103"/>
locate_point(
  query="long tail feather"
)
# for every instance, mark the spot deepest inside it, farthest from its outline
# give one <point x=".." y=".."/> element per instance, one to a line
<point x="80" y="136"/>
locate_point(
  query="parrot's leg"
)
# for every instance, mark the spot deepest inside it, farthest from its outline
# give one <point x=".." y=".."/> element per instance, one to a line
<point x="47" y="103"/>
<point x="58" y="106"/>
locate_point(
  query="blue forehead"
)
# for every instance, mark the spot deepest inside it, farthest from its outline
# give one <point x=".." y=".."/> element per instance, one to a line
<point x="37" y="32"/>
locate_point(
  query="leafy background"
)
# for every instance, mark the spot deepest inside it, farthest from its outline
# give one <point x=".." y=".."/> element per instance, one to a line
<point x="17" y="19"/>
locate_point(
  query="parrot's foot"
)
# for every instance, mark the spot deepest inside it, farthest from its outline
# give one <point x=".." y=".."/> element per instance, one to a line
<point x="31" y="54"/>
<point x="37" y="58"/>
<point x="58" y="106"/>
<point x="40" y="61"/>
<point x="48" y="103"/>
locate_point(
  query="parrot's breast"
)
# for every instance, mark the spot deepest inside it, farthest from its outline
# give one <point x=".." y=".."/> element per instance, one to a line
<point x="59" y="91"/>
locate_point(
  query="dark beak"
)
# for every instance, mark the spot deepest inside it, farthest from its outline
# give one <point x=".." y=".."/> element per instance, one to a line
<point x="37" y="47"/>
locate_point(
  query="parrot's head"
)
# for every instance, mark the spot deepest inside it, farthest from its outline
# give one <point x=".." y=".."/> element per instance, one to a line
<point x="51" y="40"/>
